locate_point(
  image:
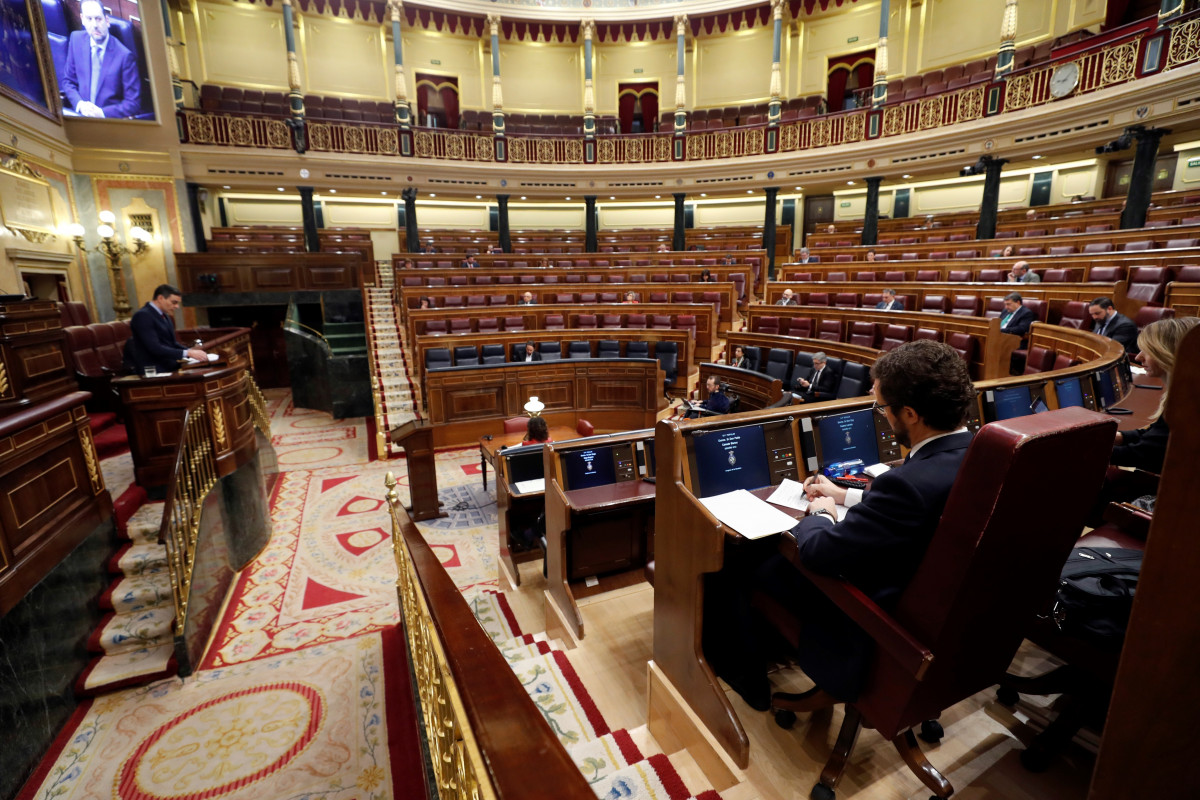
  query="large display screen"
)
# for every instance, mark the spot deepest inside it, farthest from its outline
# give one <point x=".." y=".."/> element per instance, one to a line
<point x="846" y="437"/>
<point x="100" y="58"/>
<point x="525" y="463"/>
<point x="728" y="459"/>
<point x="1106" y="387"/>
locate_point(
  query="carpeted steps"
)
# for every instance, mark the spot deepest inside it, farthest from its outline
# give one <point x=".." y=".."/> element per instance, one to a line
<point x="108" y="434"/>
<point x="393" y="384"/>
<point x="620" y="763"/>
<point x="134" y="643"/>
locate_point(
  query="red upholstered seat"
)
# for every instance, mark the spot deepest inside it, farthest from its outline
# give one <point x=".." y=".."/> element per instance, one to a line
<point x="864" y="276"/>
<point x="660" y="321"/>
<point x="585" y="321"/>
<point x="1038" y="359"/>
<point x="435" y="326"/>
<point x="1148" y="314"/>
<point x="516" y="424"/>
<point x="485" y="324"/>
<point x="928" y="333"/>
<point x="947" y="637"/>
<point x="845" y="300"/>
<point x="767" y="325"/>
<point x="800" y="326"/>
<point x="895" y="335"/>
<point x="460" y="325"/>
<point x="863" y="334"/>
<point x="554" y="322"/>
<point x="928" y="275"/>
<point x="610" y="321"/>
<point x="963" y="344"/>
<point x="1147" y="284"/>
<point x="959" y="275"/>
<point x="635" y="320"/>
<point x="817" y="299"/>
<point x="991" y="275"/>
<point x="1075" y="315"/>
<point x="894" y="276"/>
<point x="966" y="305"/>
<point x="936" y="302"/>
<point x="840" y="277"/>
<point x="830" y="330"/>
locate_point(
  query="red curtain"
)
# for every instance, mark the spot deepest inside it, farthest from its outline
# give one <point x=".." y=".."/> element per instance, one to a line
<point x="450" y="104"/>
<point x="632" y="95"/>
<point x="862" y="64"/>
<point x="446" y="90"/>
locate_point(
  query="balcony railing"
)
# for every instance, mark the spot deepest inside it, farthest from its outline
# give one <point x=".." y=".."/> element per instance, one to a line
<point x="1113" y="61"/>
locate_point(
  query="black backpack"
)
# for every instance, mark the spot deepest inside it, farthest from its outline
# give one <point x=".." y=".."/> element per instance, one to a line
<point x="1095" y="594"/>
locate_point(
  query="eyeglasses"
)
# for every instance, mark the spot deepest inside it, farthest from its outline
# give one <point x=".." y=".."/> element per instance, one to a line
<point x="878" y="407"/>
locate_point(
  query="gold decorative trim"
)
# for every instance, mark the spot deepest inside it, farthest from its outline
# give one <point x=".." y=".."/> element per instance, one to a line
<point x="89" y="457"/>
<point x="218" y="424"/>
<point x="4" y="385"/>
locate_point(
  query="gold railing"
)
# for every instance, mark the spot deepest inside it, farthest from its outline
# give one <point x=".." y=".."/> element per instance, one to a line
<point x="381" y="440"/>
<point x="471" y="702"/>
<point x="1109" y="64"/>
<point x="194" y="475"/>
<point x="258" y="407"/>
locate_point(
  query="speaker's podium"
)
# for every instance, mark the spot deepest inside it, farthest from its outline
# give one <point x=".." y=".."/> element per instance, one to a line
<point x="155" y="408"/>
<point x="416" y="437"/>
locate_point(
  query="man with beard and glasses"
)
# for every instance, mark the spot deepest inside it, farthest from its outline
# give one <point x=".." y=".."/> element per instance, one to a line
<point x="924" y="390"/>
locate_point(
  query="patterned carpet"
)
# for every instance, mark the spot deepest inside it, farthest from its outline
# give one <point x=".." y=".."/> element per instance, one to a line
<point x="289" y="702"/>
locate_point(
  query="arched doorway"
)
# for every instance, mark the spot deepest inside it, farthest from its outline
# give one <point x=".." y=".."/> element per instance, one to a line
<point x="637" y="106"/>
<point x="849" y="80"/>
<point x="437" y="101"/>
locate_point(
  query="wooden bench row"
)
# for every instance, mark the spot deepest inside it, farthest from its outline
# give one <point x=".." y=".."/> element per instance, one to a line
<point x="698" y="318"/>
<point x="502" y="300"/>
<point x="992" y="348"/>
<point x="594" y="273"/>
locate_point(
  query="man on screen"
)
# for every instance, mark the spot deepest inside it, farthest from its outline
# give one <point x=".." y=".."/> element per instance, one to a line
<point x="101" y="77"/>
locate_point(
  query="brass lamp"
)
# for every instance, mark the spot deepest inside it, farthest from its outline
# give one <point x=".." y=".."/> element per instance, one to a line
<point x="113" y="251"/>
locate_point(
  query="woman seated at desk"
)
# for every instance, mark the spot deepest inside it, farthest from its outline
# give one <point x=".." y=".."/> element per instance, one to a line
<point x="536" y="431"/>
<point x="1146" y="448"/>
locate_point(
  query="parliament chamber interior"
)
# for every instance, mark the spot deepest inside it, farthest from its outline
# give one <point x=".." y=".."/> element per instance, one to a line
<point x="405" y="399"/>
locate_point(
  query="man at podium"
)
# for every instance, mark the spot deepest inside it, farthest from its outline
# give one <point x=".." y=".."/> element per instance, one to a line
<point x="153" y="343"/>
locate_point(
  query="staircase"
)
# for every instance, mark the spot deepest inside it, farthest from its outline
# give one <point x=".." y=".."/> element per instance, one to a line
<point x="617" y="763"/>
<point x="394" y="393"/>
<point x="108" y="434"/>
<point x="134" y="643"/>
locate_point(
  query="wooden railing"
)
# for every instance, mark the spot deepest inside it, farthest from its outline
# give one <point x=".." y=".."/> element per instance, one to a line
<point x="486" y="738"/>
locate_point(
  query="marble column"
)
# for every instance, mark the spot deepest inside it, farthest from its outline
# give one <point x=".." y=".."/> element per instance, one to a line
<point x="1169" y="10"/>
<point x="870" y="231"/>
<point x="312" y="242"/>
<point x="502" y="223"/>
<point x="769" y="230"/>
<point x="775" y="108"/>
<point x="413" y="238"/>
<point x="1141" y="181"/>
<point x="403" y="110"/>
<point x="589" y="206"/>
<point x="879" y="86"/>
<point x="295" y="93"/>
<point x="589" y="95"/>
<point x="193" y="199"/>
<point x="172" y="57"/>
<point x="989" y="207"/>
<point x="679" y="241"/>
<point x="497" y="96"/>
<point x="1008" y="40"/>
<point x="680" y="89"/>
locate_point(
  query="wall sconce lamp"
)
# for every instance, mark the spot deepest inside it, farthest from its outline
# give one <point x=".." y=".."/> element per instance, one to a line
<point x="113" y="251"/>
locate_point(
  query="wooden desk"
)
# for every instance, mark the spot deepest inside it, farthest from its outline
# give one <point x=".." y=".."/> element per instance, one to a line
<point x="603" y="532"/>
<point x="490" y="444"/>
<point x="691" y="552"/>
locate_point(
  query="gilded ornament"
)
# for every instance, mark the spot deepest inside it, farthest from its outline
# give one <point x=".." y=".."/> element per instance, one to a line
<point x="931" y="112"/>
<point x="218" y="424"/>
<point x="89" y="457"/>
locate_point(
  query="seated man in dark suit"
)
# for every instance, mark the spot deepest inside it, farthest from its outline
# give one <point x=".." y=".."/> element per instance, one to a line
<point x="152" y="342"/>
<point x="531" y="353"/>
<point x="101" y="76"/>
<point x="821" y="384"/>
<point x="890" y="302"/>
<point x="788" y="298"/>
<point x="526" y="299"/>
<point x="1016" y="318"/>
<point x="717" y="402"/>
<point x="1107" y="321"/>
<point x="923" y="389"/>
<point x="470" y="262"/>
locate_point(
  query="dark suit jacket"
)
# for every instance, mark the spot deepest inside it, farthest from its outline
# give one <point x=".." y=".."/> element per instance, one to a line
<point x="530" y="303"/>
<point x="877" y="546"/>
<point x="742" y="363"/>
<point x="1019" y="324"/>
<point x="1121" y="328"/>
<point x="1145" y="448"/>
<point x="119" y="91"/>
<point x="898" y="305"/>
<point x="783" y="301"/>
<point x="152" y="343"/>
<point x="825" y="389"/>
<point x="536" y="357"/>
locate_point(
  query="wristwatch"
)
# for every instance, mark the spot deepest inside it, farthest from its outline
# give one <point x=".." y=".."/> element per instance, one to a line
<point x="826" y="513"/>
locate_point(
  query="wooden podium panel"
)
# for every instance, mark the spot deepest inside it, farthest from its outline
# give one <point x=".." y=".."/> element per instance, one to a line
<point x="156" y="407"/>
<point x="466" y="402"/>
<point x="52" y="493"/>
<point x="33" y="363"/>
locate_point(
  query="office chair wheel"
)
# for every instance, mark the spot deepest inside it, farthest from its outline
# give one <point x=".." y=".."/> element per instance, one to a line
<point x="821" y="792"/>
<point x="1008" y="696"/>
<point x="785" y="719"/>
<point x="931" y="731"/>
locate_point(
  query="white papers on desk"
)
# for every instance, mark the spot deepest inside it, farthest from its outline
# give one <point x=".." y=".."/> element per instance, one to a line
<point x="211" y="357"/>
<point x="791" y="494"/>
<point x="535" y="485"/>
<point x="746" y="514"/>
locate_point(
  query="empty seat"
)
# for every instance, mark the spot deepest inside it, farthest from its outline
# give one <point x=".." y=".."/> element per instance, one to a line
<point x="466" y="356"/>
<point x="845" y="300"/>
<point x="555" y="322"/>
<point x="485" y="324"/>
<point x="686" y="322"/>
<point x="564" y="298"/>
<point x="862" y="334"/>
<point x="610" y="321"/>
<point x="855" y="381"/>
<point x="966" y="305"/>
<point x="1137" y="246"/>
<point x="778" y="363"/>
<point x="579" y="350"/>
<point x="637" y="350"/>
<point x="991" y="275"/>
<point x="927" y="333"/>
<point x="1038" y="359"/>
<point x="1147" y="284"/>
<point x="800" y="326"/>
<point x="894" y="276"/>
<point x="1148" y="314"/>
<point x="864" y="276"/>
<point x="1098" y="247"/>
<point x="963" y="344"/>
<point x="585" y="321"/>
<point x="435" y="326"/>
<point x="1058" y="276"/>
<point x="660" y="321"/>
<point x="830" y="330"/>
<point x="965" y="254"/>
<point x="635" y="320"/>
<point x="766" y="325"/>
<point x="817" y="299"/>
<point x="1172" y="243"/>
<point x="935" y="302"/>
<point x="959" y="275"/>
<point x="667" y="354"/>
<point x="550" y="351"/>
<point x="608" y="348"/>
<point x="588" y="297"/>
<point x="1075" y="315"/>
<point x="929" y="275"/>
<point x="1106" y="273"/>
<point x="437" y="358"/>
<point x="514" y="323"/>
